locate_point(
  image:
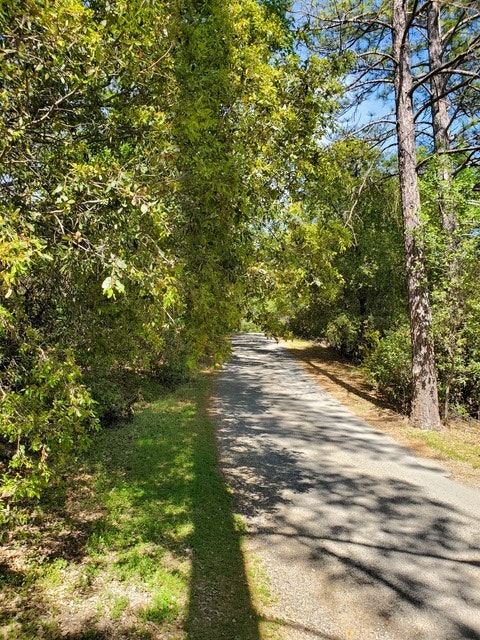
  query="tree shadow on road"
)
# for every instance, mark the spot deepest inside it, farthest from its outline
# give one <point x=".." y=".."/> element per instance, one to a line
<point x="315" y="356"/>
<point x="370" y="533"/>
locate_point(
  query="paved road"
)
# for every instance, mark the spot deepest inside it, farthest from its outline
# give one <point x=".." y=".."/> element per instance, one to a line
<point x="360" y="539"/>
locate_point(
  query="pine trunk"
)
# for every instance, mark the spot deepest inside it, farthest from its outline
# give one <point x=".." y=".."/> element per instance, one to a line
<point x="425" y="411"/>
<point x="440" y="117"/>
<point x="441" y="133"/>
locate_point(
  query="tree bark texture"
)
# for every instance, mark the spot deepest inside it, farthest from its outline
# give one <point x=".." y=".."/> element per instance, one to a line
<point x="425" y="411"/>
<point x="440" y="116"/>
<point x="440" y="127"/>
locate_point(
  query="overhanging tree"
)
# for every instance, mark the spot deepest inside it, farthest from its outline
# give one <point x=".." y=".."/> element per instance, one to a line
<point x="141" y="145"/>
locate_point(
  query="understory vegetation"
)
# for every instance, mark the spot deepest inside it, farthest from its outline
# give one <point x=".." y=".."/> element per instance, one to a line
<point x="353" y="294"/>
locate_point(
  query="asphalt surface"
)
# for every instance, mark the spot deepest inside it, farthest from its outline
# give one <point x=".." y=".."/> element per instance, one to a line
<point x="360" y="539"/>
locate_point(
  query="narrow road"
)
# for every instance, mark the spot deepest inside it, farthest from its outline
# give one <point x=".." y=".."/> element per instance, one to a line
<point x="361" y="540"/>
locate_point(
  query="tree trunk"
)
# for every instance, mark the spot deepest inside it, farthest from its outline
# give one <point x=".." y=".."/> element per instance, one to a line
<point x="425" y="411"/>
<point x="440" y="127"/>
<point x="440" y="117"/>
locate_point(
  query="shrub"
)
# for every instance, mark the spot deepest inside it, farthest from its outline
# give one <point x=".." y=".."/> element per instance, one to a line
<point x="114" y="395"/>
<point x="389" y="366"/>
<point x="45" y="419"/>
<point x="170" y="366"/>
<point x="344" y="334"/>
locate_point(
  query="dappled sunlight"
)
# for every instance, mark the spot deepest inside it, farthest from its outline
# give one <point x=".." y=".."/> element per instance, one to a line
<point x="326" y="494"/>
<point x="314" y="357"/>
<point x="458" y="441"/>
<point x="160" y="558"/>
<point x="220" y="604"/>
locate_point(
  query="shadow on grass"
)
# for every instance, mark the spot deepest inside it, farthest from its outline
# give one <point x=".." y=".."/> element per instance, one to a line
<point x="177" y="497"/>
<point x="220" y="604"/>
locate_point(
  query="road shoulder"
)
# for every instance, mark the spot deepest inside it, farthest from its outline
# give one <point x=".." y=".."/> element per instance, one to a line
<point x="346" y="384"/>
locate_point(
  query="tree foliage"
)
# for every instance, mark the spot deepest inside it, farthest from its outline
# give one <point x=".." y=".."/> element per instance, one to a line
<point x="139" y="153"/>
<point x="420" y="57"/>
<point x="169" y="169"/>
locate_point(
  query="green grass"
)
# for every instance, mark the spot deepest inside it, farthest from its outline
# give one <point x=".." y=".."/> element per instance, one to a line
<point x="453" y="446"/>
<point x="144" y="546"/>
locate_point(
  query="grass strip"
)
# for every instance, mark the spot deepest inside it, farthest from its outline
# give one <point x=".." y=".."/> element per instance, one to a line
<point x="141" y="545"/>
<point x="453" y="445"/>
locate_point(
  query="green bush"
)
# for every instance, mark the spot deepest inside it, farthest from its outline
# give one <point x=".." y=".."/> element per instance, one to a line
<point x="46" y="417"/>
<point x="353" y="337"/>
<point x="170" y="366"/>
<point x="344" y="334"/>
<point x="389" y="366"/>
<point x="113" y="394"/>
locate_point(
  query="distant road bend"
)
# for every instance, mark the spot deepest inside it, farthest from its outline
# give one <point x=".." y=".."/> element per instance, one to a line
<point x="361" y="539"/>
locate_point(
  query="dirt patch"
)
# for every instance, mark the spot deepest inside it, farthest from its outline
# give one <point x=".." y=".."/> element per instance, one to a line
<point x="348" y="385"/>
